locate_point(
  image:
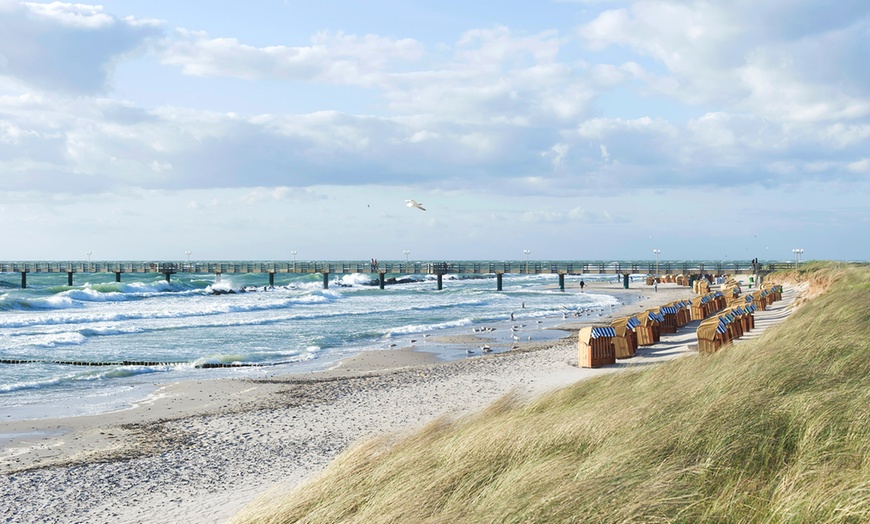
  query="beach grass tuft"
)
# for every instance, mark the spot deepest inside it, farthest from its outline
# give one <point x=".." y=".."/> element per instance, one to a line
<point x="775" y="429"/>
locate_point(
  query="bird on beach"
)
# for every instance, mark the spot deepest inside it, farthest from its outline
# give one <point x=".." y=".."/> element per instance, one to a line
<point x="469" y="351"/>
<point x="485" y="348"/>
<point x="414" y="203"/>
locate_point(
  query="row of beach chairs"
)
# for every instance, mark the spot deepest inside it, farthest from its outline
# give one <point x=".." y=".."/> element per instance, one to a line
<point x="725" y="315"/>
<point x="736" y="319"/>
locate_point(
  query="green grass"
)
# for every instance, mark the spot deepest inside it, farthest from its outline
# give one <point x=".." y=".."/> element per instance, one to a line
<point x="772" y="430"/>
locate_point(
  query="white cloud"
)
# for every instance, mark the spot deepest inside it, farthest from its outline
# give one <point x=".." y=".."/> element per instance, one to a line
<point x="330" y="57"/>
<point x="62" y="47"/>
<point x="859" y="166"/>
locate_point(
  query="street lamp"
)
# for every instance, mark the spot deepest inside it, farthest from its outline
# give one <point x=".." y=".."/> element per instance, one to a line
<point x="406" y="252"/>
<point x="657" y="252"/>
<point x="89" y="260"/>
<point x="527" y="252"/>
<point x="797" y="256"/>
<point x="188" y="256"/>
<point x="294" y="259"/>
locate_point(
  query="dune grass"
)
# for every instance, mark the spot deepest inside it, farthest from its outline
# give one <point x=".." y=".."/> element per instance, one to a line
<point x="775" y="429"/>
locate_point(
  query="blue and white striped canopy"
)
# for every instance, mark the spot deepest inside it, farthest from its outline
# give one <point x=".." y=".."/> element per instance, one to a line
<point x="603" y="332"/>
<point x="738" y="311"/>
<point x="668" y="310"/>
<point x="632" y="323"/>
<point x="722" y="327"/>
<point x="658" y="317"/>
<point x="750" y="307"/>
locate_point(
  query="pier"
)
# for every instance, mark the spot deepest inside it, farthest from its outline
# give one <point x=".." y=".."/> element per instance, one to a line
<point x="326" y="268"/>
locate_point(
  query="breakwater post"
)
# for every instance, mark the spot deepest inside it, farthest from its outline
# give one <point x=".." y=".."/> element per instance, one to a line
<point x="498" y="277"/>
<point x="69" y="278"/>
<point x="24" y="280"/>
<point x="381" y="279"/>
<point x="562" y="281"/>
<point x="325" y="280"/>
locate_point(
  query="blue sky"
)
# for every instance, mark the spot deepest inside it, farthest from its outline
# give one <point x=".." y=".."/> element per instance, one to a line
<point x="575" y="129"/>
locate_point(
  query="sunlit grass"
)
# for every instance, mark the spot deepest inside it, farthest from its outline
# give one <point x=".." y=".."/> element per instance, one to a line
<point x="775" y="429"/>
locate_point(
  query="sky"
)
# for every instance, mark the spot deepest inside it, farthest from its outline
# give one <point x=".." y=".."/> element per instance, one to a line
<point x="575" y="130"/>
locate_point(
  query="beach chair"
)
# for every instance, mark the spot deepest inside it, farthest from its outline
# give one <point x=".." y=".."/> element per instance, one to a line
<point x="625" y="340"/>
<point x="712" y="334"/>
<point x="735" y="329"/>
<point x="683" y="313"/>
<point x="648" y="329"/>
<point x="668" y="315"/>
<point x="595" y="346"/>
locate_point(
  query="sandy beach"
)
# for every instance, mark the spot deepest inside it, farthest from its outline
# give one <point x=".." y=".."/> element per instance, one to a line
<point x="199" y="451"/>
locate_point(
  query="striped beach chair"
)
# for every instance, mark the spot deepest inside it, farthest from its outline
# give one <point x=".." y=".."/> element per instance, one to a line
<point x="595" y="346"/>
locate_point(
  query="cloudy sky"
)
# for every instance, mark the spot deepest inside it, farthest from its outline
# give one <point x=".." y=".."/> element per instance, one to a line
<point x="586" y="129"/>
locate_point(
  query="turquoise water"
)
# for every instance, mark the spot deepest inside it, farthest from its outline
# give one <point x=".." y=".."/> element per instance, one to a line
<point x="179" y="328"/>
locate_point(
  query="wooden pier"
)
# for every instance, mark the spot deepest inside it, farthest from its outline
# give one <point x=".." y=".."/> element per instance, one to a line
<point x="381" y="269"/>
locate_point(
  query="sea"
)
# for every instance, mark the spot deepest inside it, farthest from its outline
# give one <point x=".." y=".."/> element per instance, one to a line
<point x="101" y="345"/>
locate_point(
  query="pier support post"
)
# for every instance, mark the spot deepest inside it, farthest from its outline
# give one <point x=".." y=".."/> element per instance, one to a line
<point x="625" y="280"/>
<point x="325" y="280"/>
<point x="117" y="276"/>
<point x="167" y="276"/>
<point x="562" y="281"/>
<point x="381" y="280"/>
<point x="498" y="277"/>
<point x="24" y="280"/>
<point x="217" y="277"/>
<point x="271" y="279"/>
<point x="69" y="279"/>
<point x="440" y="281"/>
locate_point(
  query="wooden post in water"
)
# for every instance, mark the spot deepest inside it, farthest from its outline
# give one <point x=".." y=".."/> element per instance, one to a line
<point x="562" y="281"/>
<point x="167" y="275"/>
<point x="69" y="278"/>
<point x="498" y="277"/>
<point x="117" y="276"/>
<point x="24" y="280"/>
<point x="440" y="283"/>
<point x="271" y="279"/>
<point x="217" y="277"/>
<point x="381" y="279"/>
<point x="625" y="280"/>
<point x="325" y="280"/>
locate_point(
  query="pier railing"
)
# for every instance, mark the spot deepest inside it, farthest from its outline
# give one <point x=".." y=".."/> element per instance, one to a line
<point x="392" y="267"/>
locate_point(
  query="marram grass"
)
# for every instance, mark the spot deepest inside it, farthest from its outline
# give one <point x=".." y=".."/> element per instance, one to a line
<point x="772" y="430"/>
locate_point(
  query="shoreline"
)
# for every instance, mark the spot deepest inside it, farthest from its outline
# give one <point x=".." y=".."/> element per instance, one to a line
<point x="281" y="429"/>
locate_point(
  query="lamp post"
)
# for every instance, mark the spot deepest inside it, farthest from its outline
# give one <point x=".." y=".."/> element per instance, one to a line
<point x="527" y="252"/>
<point x="89" y="260"/>
<point x="188" y="256"/>
<point x="406" y="252"/>
<point x="657" y="252"/>
<point x="797" y="256"/>
<point x="294" y="259"/>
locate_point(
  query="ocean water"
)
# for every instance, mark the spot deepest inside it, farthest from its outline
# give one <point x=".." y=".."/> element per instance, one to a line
<point x="148" y="332"/>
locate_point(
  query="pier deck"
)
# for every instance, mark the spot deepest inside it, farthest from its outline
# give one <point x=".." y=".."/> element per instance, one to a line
<point x="326" y="268"/>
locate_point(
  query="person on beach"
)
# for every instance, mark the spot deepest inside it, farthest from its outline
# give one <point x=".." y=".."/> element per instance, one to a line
<point x="656" y="287"/>
<point x="582" y="284"/>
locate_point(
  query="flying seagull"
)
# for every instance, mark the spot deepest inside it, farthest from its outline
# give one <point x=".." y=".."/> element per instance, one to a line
<point x="414" y="203"/>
